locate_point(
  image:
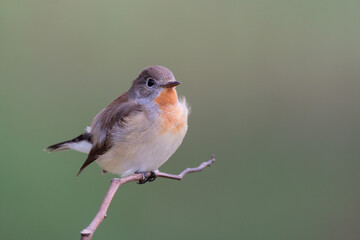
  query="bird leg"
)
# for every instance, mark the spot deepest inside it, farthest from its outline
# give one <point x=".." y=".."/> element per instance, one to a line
<point x="146" y="177"/>
<point x="152" y="177"/>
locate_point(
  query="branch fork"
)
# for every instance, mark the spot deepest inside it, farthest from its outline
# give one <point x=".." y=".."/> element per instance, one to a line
<point x="87" y="233"/>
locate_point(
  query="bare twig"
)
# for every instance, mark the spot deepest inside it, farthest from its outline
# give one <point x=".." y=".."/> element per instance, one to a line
<point x="88" y="232"/>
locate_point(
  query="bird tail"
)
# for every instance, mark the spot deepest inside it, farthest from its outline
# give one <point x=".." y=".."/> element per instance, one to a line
<point x="81" y="143"/>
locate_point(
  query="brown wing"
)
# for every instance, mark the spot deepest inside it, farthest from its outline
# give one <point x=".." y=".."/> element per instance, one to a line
<point x="113" y="114"/>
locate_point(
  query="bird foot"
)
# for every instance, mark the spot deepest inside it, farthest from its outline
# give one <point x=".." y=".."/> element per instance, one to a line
<point x="146" y="177"/>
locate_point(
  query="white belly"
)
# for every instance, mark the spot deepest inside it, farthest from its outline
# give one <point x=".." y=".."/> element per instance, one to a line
<point x="125" y="159"/>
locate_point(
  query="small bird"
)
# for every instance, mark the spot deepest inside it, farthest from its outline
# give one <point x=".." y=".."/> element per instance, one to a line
<point x="139" y="131"/>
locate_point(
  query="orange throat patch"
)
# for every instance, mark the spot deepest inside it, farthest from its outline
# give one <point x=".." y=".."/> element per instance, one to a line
<point x="172" y="115"/>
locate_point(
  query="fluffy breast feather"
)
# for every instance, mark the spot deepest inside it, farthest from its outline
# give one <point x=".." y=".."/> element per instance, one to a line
<point x="173" y="113"/>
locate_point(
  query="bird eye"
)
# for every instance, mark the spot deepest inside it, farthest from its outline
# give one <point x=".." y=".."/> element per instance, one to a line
<point x="150" y="82"/>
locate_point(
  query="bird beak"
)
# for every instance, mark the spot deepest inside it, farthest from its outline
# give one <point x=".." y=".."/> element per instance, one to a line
<point x="170" y="84"/>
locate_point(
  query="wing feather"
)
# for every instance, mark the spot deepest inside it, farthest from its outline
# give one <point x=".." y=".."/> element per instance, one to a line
<point x="113" y="115"/>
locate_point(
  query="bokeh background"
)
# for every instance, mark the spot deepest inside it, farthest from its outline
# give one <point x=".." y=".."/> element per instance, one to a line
<point x="274" y="89"/>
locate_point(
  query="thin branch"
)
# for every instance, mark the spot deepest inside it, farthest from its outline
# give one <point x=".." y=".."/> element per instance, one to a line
<point x="88" y="232"/>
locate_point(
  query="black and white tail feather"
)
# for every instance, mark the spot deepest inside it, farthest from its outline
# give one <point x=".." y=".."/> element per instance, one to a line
<point x="81" y="143"/>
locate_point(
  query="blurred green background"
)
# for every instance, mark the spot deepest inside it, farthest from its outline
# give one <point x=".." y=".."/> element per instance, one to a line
<point x="274" y="88"/>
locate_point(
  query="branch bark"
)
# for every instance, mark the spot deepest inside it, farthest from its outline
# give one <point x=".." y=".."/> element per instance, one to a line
<point x="87" y="233"/>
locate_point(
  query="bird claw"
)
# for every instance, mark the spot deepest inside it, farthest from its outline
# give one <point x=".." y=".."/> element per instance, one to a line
<point x="152" y="177"/>
<point x="146" y="177"/>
